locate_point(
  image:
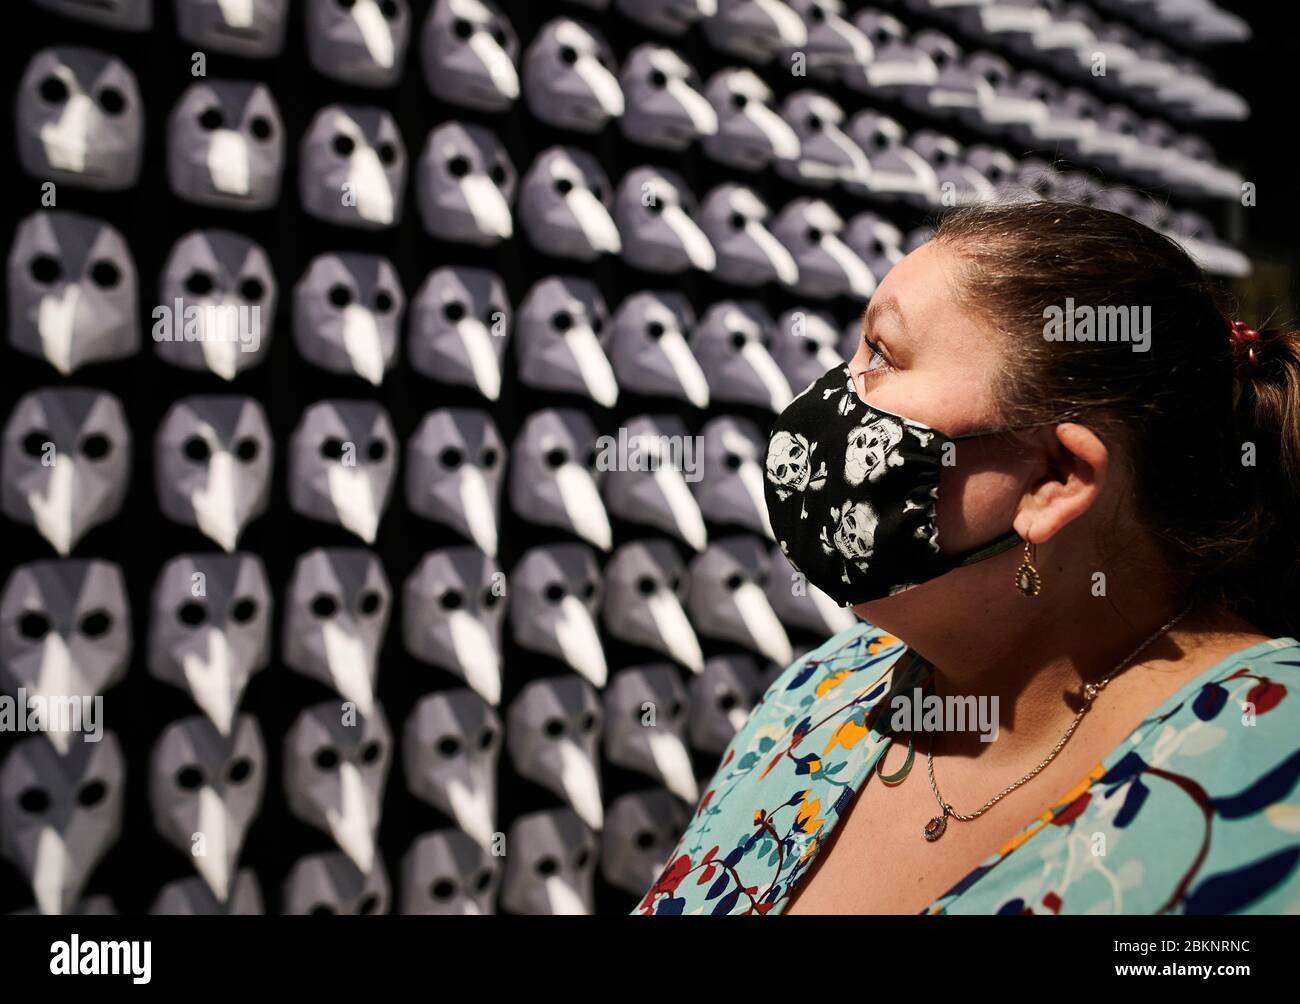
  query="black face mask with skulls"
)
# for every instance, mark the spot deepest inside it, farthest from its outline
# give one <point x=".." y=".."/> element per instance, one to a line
<point x="852" y="492"/>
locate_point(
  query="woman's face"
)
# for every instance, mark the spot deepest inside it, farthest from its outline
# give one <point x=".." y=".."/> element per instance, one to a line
<point x="926" y="358"/>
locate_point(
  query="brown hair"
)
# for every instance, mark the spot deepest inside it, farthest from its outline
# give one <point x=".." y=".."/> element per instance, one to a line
<point x="1189" y="411"/>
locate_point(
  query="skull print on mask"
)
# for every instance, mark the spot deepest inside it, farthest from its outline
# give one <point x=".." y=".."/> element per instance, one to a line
<point x="221" y="294"/>
<point x="554" y="472"/>
<point x="80" y="119"/>
<point x="72" y="291"/>
<point x="460" y="321"/>
<point x="555" y="591"/>
<point x="664" y="105"/>
<point x="191" y="897"/>
<point x="731" y="342"/>
<point x="450" y="747"/>
<point x="748" y="255"/>
<point x="897" y="171"/>
<point x="207" y="787"/>
<point x="445" y="873"/>
<point x="361" y="42"/>
<point x="648" y="349"/>
<point x="464" y="185"/>
<point x="807" y="607"/>
<point x="644" y="587"/>
<point x="646" y="718"/>
<point x="755" y="30"/>
<point x="721" y="699"/>
<point x="66" y="463"/>
<point x="557" y="343"/>
<point x="550" y="871"/>
<point x="727" y="601"/>
<point x="641" y="830"/>
<point x="335" y="767"/>
<point x="469" y="52"/>
<point x="352" y="167"/>
<point x="730" y="489"/>
<point x="750" y="134"/>
<point x="653" y="491"/>
<point x="225" y="145"/>
<point x="59" y="815"/>
<point x="564" y="203"/>
<point x="342" y="465"/>
<point x="553" y="735"/>
<point x="347" y="311"/>
<point x="212" y="465"/>
<point x="568" y="80"/>
<point x="330" y="883"/>
<point x="454" y="463"/>
<point x="810" y="229"/>
<point x="337" y="612"/>
<point x="452" y="606"/>
<point x="65" y="631"/>
<point x="805" y="344"/>
<point x="253" y="29"/>
<point x="655" y="213"/>
<point x="827" y="155"/>
<point x="210" y="629"/>
<point x="122" y="15"/>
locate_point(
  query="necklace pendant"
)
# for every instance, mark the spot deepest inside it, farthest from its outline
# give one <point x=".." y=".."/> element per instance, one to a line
<point x="934" y="828"/>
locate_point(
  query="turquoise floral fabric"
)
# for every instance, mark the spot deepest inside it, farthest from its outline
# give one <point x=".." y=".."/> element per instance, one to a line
<point x="1197" y="812"/>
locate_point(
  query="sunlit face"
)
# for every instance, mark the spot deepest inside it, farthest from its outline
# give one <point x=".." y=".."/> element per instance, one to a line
<point x="926" y="357"/>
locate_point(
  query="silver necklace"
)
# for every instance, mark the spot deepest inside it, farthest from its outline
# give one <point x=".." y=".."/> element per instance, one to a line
<point x="935" y="828"/>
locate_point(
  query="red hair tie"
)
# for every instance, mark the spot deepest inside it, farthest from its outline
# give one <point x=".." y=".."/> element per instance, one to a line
<point x="1246" y="341"/>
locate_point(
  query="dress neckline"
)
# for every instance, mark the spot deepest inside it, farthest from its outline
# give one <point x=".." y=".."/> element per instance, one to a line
<point x="1036" y="825"/>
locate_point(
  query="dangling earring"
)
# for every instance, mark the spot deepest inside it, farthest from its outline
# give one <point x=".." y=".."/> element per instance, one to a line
<point x="1028" y="581"/>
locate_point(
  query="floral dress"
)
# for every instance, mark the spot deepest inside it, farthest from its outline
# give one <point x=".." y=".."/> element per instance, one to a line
<point x="1196" y="812"/>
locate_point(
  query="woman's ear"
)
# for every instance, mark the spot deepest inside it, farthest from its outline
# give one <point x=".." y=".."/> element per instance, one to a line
<point x="1073" y="476"/>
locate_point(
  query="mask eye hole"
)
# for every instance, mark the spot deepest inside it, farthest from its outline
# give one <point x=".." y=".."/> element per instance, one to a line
<point x="96" y="624"/>
<point x="462" y="29"/>
<point x="490" y="598"/>
<point x="34" y="801"/>
<point x="646" y="585"/>
<point x="389" y="9"/>
<point x="247" y="449"/>
<point x="196" y="449"/>
<point x="332" y="449"/>
<point x="568" y="55"/>
<point x="383" y="302"/>
<point x="240" y="770"/>
<point x="556" y="457"/>
<point x="192" y="614"/>
<point x="46" y="269"/>
<point x="243" y="610"/>
<point x="488" y="457"/>
<point x="105" y="274"/>
<point x="211" y="119"/>
<point x="53" y="90"/>
<point x="453" y="311"/>
<point x="189" y="778"/>
<point x="371" y="752"/>
<point x="371" y="602"/>
<point x="340" y="296"/>
<point x="458" y="166"/>
<point x="261" y="128"/>
<point x="452" y="599"/>
<point x="33" y="625"/>
<point x="198" y="283"/>
<point x="376" y="451"/>
<point x="451" y="457"/>
<point x="112" y="101"/>
<point x="34" y="443"/>
<point x="387" y="153"/>
<point x="658" y="79"/>
<point x="252" y="289"/>
<point x="324" y="606"/>
<point x="343" y="145"/>
<point x="91" y="793"/>
<point x="554" y="592"/>
<point x="326" y="758"/>
<point x="498" y="174"/>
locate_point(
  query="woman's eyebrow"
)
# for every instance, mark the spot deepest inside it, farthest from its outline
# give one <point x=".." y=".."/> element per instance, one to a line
<point x="881" y="306"/>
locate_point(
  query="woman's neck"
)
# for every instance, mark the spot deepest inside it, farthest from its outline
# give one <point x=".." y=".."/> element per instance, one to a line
<point x="1033" y="669"/>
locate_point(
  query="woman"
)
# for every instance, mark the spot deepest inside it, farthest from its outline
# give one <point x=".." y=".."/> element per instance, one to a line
<point x="1078" y="529"/>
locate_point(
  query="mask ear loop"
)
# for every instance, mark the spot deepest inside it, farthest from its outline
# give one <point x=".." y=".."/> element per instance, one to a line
<point x="1009" y="539"/>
